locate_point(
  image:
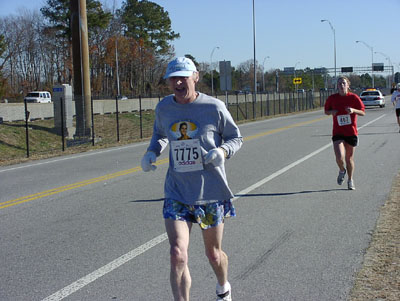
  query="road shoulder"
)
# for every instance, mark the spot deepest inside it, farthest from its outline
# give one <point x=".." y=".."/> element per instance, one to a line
<point x="379" y="278"/>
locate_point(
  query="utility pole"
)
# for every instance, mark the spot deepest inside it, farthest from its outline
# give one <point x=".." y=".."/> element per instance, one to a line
<point x="80" y="55"/>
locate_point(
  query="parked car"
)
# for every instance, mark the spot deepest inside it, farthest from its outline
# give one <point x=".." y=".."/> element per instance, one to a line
<point x="38" y="97"/>
<point x="122" y="97"/>
<point x="372" y="97"/>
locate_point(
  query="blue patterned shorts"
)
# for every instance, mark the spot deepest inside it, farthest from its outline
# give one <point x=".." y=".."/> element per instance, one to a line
<point x="207" y="215"/>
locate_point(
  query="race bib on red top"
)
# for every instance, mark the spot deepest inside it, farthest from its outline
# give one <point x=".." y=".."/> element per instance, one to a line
<point x="344" y="120"/>
<point x="187" y="155"/>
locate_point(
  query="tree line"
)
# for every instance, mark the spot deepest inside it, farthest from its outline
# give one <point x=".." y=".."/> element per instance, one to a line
<point x="36" y="54"/>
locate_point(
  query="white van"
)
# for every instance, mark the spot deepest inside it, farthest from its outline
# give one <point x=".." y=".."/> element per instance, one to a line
<point x="38" y="97"/>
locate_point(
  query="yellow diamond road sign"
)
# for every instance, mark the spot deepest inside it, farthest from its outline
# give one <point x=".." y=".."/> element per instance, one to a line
<point x="297" y="80"/>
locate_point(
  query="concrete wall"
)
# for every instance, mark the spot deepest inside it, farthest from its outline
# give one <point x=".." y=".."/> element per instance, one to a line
<point x="16" y="111"/>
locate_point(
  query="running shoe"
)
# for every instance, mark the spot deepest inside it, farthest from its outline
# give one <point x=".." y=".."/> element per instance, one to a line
<point x="350" y="185"/>
<point x="340" y="178"/>
<point x="225" y="296"/>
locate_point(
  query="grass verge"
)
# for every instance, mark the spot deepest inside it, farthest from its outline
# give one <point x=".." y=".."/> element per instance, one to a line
<point x="379" y="278"/>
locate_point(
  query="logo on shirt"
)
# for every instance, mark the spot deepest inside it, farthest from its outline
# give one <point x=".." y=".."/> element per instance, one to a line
<point x="184" y="130"/>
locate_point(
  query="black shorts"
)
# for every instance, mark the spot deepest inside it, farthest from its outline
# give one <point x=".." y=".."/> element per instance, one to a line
<point x="397" y="112"/>
<point x="352" y="140"/>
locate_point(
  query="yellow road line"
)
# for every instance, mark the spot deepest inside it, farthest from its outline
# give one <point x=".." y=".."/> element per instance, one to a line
<point x="53" y="191"/>
<point x="73" y="186"/>
<point x="283" y="128"/>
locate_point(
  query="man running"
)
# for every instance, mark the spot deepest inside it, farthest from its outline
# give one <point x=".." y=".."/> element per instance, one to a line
<point x="196" y="188"/>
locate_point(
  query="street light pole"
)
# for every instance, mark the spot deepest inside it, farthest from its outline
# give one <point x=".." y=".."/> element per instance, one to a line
<point x="334" y="43"/>
<point x="390" y="64"/>
<point x="267" y="57"/>
<point x="295" y="86"/>
<point x="254" y="57"/>
<point x="372" y="57"/>
<point x="212" y="78"/>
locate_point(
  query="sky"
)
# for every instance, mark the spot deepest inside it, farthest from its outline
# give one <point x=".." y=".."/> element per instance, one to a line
<point x="288" y="33"/>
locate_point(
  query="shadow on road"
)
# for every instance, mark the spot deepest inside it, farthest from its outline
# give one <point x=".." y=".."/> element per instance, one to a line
<point x="286" y="193"/>
<point x="147" y="201"/>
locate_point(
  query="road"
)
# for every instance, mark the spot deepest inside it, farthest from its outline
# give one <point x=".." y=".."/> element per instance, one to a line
<point x="89" y="226"/>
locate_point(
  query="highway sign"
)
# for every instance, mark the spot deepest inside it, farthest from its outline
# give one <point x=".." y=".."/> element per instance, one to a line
<point x="225" y="73"/>
<point x="347" y="69"/>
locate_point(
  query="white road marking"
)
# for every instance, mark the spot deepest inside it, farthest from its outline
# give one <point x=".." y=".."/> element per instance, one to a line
<point x="73" y="157"/>
<point x="77" y="285"/>
<point x="286" y="168"/>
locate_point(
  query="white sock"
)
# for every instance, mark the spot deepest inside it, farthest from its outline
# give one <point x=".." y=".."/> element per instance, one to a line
<point x="223" y="288"/>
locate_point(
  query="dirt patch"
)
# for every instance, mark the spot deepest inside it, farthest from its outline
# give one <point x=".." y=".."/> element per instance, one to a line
<point x="379" y="278"/>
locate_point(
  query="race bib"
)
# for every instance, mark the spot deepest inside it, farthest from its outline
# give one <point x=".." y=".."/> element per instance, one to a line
<point x="186" y="155"/>
<point x="344" y="120"/>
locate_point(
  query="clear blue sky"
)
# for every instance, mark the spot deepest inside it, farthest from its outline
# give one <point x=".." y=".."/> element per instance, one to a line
<point x="287" y="31"/>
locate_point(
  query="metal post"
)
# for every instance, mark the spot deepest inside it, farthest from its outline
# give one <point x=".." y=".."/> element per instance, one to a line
<point x="372" y="58"/>
<point x="140" y="116"/>
<point x="267" y="57"/>
<point x="212" y="77"/>
<point x="390" y="64"/>
<point x="255" y="63"/>
<point x="117" y="116"/>
<point x="295" y="85"/>
<point x="237" y="107"/>
<point x="116" y="65"/>
<point x="62" y="124"/>
<point x="334" y="43"/>
<point x="26" y="128"/>
<point x="92" y="113"/>
<point x="245" y="103"/>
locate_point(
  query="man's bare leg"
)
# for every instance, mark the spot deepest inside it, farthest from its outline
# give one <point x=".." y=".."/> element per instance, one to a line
<point x="213" y="246"/>
<point x="178" y="235"/>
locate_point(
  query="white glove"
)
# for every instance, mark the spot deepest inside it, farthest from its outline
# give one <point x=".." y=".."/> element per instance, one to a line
<point x="216" y="157"/>
<point x="148" y="158"/>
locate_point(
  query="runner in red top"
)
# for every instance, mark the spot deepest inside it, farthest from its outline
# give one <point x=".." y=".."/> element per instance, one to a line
<point x="344" y="108"/>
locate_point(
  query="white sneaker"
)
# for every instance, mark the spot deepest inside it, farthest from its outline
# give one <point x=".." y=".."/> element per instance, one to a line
<point x="350" y="185"/>
<point x="225" y="296"/>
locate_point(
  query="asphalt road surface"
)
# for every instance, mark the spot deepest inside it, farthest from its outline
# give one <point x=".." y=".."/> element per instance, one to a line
<point x="89" y="226"/>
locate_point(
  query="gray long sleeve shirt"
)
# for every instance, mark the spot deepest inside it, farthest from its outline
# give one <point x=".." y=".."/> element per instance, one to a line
<point x="192" y="130"/>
